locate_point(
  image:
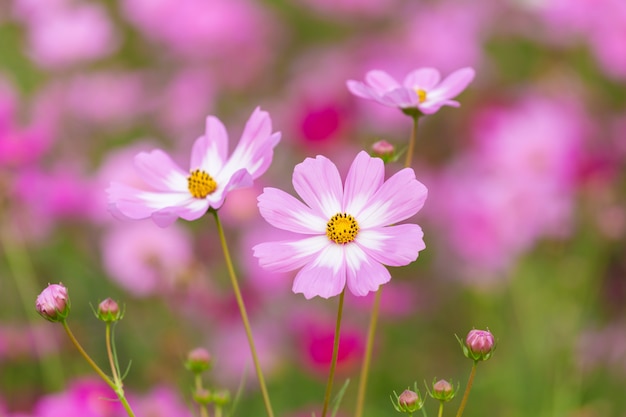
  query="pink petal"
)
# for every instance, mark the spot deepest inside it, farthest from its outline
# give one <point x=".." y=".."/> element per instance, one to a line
<point x="399" y="198"/>
<point x="284" y="256"/>
<point x="364" y="274"/>
<point x="158" y="170"/>
<point x="318" y="183"/>
<point x="225" y="184"/>
<point x="380" y="81"/>
<point x="285" y="212"/>
<point x="393" y="245"/>
<point x="325" y="276"/>
<point x="400" y="97"/>
<point x="423" y="78"/>
<point x="255" y="149"/>
<point x="366" y="175"/>
<point x="430" y="107"/>
<point x="452" y="85"/>
<point x="361" y="90"/>
<point x="137" y="204"/>
<point x="210" y="151"/>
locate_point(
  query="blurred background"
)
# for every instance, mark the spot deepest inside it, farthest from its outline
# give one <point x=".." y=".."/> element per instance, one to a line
<point x="525" y="223"/>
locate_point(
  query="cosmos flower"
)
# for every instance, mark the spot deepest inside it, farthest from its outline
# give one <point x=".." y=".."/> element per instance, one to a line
<point x="348" y="232"/>
<point x="421" y="89"/>
<point x="171" y="192"/>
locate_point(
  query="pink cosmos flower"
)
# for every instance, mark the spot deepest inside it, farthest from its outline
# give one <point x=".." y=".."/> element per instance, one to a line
<point x="421" y="89"/>
<point x="348" y="237"/>
<point x="174" y="193"/>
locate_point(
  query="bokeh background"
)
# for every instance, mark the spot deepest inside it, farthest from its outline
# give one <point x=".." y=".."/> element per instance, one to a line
<point x="524" y="225"/>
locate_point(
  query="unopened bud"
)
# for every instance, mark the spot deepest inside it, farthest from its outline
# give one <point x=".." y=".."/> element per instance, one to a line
<point x="384" y="150"/>
<point x="443" y="390"/>
<point x="479" y="345"/>
<point x="407" y="402"/>
<point x="221" y="397"/>
<point x="198" y="360"/>
<point x="109" y="311"/>
<point x="202" y="396"/>
<point x="53" y="303"/>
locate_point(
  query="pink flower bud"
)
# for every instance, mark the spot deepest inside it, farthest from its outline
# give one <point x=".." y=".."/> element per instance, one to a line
<point x="382" y="147"/>
<point x="408" y="398"/>
<point x="443" y="390"/>
<point x="109" y="311"/>
<point x="407" y="402"/>
<point x="198" y="360"/>
<point x="53" y="303"/>
<point x="479" y="345"/>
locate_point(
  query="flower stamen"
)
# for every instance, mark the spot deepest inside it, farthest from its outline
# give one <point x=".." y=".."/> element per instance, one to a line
<point x="342" y="228"/>
<point x="421" y="95"/>
<point x="200" y="184"/>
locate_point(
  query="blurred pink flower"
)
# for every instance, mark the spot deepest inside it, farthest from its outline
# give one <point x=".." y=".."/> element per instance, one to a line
<point x="342" y="9"/>
<point x="212" y="174"/>
<point x="161" y="401"/>
<point x="82" y="398"/>
<point x="144" y="259"/>
<point x="348" y="227"/>
<point x="67" y="35"/>
<point x="420" y="89"/>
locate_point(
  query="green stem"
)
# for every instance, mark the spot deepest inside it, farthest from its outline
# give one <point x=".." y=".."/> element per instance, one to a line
<point x="112" y="363"/>
<point x="470" y="381"/>
<point x="117" y="388"/>
<point x="440" y="414"/>
<point x="244" y="315"/>
<point x="21" y="270"/>
<point x="218" y="411"/>
<point x="371" y="333"/>
<point x="412" y="139"/>
<point x="204" y="412"/>
<point x="333" y="362"/>
<point x="360" y="402"/>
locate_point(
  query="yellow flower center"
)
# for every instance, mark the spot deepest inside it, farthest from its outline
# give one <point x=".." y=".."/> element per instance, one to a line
<point x="200" y="184"/>
<point x="421" y="95"/>
<point x="342" y="228"/>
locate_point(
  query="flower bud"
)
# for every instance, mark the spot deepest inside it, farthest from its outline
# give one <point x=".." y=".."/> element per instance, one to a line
<point x="109" y="311"/>
<point x="407" y="402"/>
<point x="53" y="303"/>
<point x="384" y="150"/>
<point x="443" y="390"/>
<point x="221" y="397"/>
<point x="202" y="396"/>
<point x="479" y="345"/>
<point x="198" y="360"/>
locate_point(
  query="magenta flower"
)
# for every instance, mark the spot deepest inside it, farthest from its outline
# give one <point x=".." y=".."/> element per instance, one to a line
<point x="53" y="303"/>
<point x="212" y="174"/>
<point x="420" y="90"/>
<point x="348" y="237"/>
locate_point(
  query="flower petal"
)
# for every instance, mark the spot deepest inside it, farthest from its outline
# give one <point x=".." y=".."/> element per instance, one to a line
<point x="423" y="78"/>
<point x="399" y="198"/>
<point x="225" y="184"/>
<point x="255" y="149"/>
<point x="452" y="85"/>
<point x="400" y="97"/>
<point x="287" y="255"/>
<point x="324" y="276"/>
<point x="209" y="151"/>
<point x="137" y="204"/>
<point x="364" y="274"/>
<point x="365" y="177"/>
<point x="359" y="89"/>
<point x="159" y="171"/>
<point x="393" y="245"/>
<point x="430" y="107"/>
<point x="318" y="183"/>
<point x="286" y="212"/>
<point x="381" y="81"/>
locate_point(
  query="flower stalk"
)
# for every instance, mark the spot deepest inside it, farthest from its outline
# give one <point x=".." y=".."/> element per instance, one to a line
<point x="333" y="362"/>
<point x="468" y="388"/>
<point x="244" y="314"/>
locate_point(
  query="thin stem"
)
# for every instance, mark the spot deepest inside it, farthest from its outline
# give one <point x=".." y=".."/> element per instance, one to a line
<point x="117" y="388"/>
<point x="440" y="414"/>
<point x="412" y="139"/>
<point x="21" y="270"/>
<point x="470" y="381"/>
<point x="218" y="411"/>
<point x="371" y="333"/>
<point x="204" y="412"/>
<point x="244" y="315"/>
<point x="360" y="402"/>
<point x="333" y="362"/>
<point x="112" y="363"/>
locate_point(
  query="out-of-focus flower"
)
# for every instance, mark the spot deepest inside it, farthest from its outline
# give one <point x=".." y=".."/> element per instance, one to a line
<point x="421" y="89"/>
<point x="53" y="303"/>
<point x="348" y="229"/>
<point x="84" y="397"/>
<point x="212" y="174"/>
<point x="198" y="360"/>
<point x="161" y="401"/>
<point x="144" y="260"/>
